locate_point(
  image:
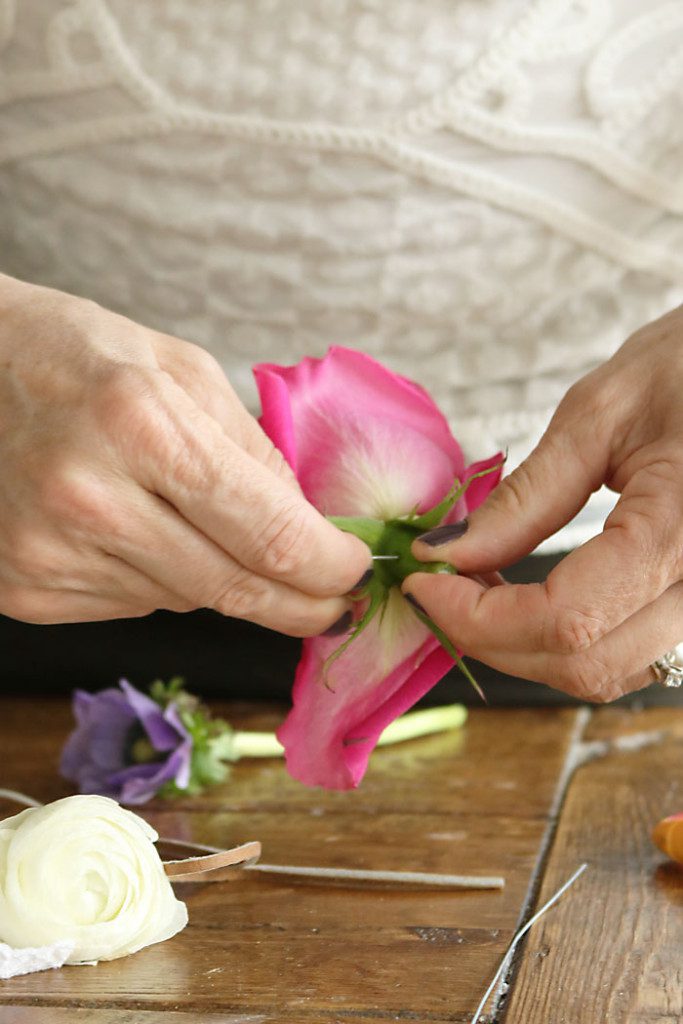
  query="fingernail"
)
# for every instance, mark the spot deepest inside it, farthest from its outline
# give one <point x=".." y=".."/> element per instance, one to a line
<point x="415" y="603"/>
<point x="365" y="578"/>
<point x="444" y="534"/>
<point x="340" y="626"/>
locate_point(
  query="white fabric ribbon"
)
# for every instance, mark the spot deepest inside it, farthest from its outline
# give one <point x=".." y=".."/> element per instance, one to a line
<point x="38" y="958"/>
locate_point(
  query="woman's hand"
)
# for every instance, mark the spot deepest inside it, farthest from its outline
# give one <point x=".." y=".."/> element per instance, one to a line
<point x="615" y="604"/>
<point x="131" y="478"/>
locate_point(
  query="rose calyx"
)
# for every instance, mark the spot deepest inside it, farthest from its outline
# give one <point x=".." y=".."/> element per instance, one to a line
<point x="391" y="544"/>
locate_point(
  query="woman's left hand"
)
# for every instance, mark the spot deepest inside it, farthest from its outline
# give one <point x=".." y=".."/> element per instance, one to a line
<point x="616" y="603"/>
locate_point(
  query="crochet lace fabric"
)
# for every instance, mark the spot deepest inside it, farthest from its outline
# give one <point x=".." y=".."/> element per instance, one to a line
<point x="485" y="194"/>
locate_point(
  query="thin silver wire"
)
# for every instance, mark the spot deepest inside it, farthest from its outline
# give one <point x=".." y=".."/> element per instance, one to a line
<point x="19" y="798"/>
<point x="520" y="934"/>
<point x="409" y="877"/>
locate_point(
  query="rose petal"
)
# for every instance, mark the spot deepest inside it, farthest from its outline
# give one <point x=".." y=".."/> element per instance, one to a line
<point x="332" y="729"/>
<point x="479" y="490"/>
<point x="361" y="440"/>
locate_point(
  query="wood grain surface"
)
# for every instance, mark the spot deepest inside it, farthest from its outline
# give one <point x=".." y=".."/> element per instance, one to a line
<point x="476" y="801"/>
<point x="262" y="949"/>
<point x="611" y="952"/>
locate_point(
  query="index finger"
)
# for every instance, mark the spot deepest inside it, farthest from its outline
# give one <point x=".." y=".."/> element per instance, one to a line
<point x="566" y="614"/>
<point x="591" y="592"/>
<point x="248" y="510"/>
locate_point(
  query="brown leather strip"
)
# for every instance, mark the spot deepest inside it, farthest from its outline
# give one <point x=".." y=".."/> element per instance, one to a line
<point x="209" y="867"/>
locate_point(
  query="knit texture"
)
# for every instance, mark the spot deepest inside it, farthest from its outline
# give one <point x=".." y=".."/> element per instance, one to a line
<point x="485" y="194"/>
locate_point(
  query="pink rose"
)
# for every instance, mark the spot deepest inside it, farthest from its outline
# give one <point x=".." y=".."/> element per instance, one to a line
<point x="365" y="443"/>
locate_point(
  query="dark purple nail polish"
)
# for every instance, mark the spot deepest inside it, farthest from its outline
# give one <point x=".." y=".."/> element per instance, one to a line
<point x="416" y="604"/>
<point x="342" y="625"/>
<point x="365" y="578"/>
<point x="444" y="534"/>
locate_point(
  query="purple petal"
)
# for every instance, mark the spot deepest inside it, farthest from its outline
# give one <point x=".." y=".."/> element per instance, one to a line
<point x="111" y="719"/>
<point x="75" y="754"/>
<point x="93" y="756"/>
<point x="161" y="733"/>
<point x="81" y="704"/>
<point x="97" y="744"/>
<point x="171" y="715"/>
<point x="183" y="757"/>
<point x="89" y="783"/>
<point x="141" y="782"/>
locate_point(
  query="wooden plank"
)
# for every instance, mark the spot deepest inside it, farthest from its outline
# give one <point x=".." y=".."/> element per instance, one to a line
<point x="73" y="1015"/>
<point x="273" y="948"/>
<point x="83" y="1015"/>
<point x="625" y="726"/>
<point x="611" y="950"/>
<point x="493" y="765"/>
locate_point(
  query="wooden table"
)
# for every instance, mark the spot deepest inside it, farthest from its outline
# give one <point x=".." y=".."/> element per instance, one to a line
<point x="528" y="794"/>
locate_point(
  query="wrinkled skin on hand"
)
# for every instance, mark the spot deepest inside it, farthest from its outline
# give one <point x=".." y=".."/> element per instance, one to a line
<point x="133" y="479"/>
<point x="616" y="603"/>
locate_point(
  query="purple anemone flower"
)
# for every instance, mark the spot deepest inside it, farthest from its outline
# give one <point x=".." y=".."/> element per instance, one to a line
<point x="99" y="754"/>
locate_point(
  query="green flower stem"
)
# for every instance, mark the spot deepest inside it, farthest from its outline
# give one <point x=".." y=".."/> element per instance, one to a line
<point x="255" y="744"/>
<point x="232" y="746"/>
<point x="424" y="723"/>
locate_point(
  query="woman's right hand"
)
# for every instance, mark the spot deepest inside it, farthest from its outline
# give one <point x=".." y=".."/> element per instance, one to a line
<point x="132" y="479"/>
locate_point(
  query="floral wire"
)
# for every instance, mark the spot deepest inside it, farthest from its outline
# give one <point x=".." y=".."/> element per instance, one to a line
<point x="19" y="798"/>
<point x="379" y="597"/>
<point x="342" y="874"/>
<point x="520" y="935"/>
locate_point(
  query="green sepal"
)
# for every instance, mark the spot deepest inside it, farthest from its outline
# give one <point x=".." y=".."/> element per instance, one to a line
<point x="443" y="568"/>
<point x="433" y="517"/>
<point x="207" y="769"/>
<point x="368" y="530"/>
<point x="468" y="675"/>
<point x="165" y="693"/>
<point x="393" y="539"/>
<point x="397" y="540"/>
<point x="172" y="791"/>
<point x="450" y="649"/>
<point x="378" y="597"/>
<point x="206" y="765"/>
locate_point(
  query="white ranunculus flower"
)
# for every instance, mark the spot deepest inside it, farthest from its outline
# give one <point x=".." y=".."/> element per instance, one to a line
<point x="85" y="871"/>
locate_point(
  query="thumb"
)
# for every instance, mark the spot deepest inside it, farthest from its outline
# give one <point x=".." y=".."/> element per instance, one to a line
<point x="543" y="494"/>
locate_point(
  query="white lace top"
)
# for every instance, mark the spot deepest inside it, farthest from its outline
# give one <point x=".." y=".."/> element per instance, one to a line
<point x="485" y="194"/>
